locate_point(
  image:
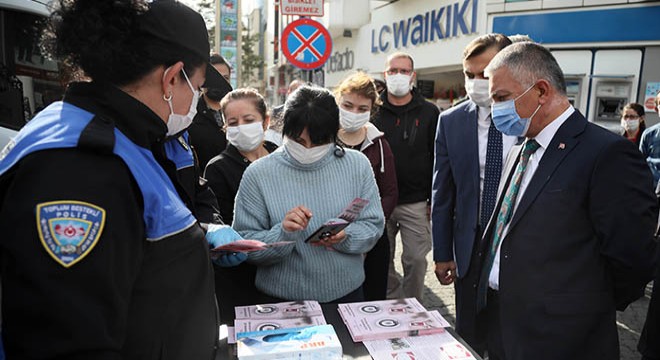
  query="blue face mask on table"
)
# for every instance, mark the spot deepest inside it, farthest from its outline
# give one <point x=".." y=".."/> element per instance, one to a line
<point x="506" y="118"/>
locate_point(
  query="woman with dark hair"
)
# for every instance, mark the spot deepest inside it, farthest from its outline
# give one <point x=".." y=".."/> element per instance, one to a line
<point x="207" y="133"/>
<point x="101" y="251"/>
<point x="358" y="99"/>
<point x="632" y="121"/>
<point x="289" y="194"/>
<point x="246" y="116"/>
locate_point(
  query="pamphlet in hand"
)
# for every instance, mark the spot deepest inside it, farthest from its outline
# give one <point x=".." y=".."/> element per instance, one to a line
<point x="244" y="245"/>
<point x="334" y="226"/>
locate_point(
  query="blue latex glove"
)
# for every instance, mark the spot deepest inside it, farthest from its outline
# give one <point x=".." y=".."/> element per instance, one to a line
<point x="228" y="259"/>
<point x="217" y="235"/>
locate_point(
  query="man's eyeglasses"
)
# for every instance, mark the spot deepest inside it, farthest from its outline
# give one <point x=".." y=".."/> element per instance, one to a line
<point x="394" y="71"/>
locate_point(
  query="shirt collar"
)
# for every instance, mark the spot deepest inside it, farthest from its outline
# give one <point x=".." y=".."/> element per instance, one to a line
<point x="134" y="119"/>
<point x="545" y="136"/>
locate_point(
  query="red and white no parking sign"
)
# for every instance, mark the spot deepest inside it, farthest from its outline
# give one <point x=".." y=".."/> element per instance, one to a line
<point x="306" y="44"/>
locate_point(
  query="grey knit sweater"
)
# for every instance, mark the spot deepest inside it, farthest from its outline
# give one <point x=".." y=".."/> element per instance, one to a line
<point x="275" y="184"/>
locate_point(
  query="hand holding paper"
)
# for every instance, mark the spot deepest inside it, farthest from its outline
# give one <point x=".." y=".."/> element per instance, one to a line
<point x="218" y="235"/>
<point x="332" y="231"/>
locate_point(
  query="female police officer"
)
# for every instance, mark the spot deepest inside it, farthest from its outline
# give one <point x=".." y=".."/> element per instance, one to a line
<point x="100" y="258"/>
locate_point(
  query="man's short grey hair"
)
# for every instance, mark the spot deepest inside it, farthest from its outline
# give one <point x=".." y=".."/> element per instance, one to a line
<point x="520" y="38"/>
<point x="529" y="62"/>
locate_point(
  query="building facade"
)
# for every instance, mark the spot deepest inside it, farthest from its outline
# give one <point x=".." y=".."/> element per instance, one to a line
<point x="609" y="49"/>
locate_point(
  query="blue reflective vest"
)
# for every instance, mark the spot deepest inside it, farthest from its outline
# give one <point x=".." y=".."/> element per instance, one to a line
<point x="60" y="126"/>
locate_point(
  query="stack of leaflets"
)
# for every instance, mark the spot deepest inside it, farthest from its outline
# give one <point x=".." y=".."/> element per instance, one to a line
<point x="285" y="315"/>
<point x="441" y="346"/>
<point x="308" y="343"/>
<point x="390" y="319"/>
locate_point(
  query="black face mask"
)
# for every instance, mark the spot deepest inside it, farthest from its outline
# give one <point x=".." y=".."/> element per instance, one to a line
<point x="215" y="94"/>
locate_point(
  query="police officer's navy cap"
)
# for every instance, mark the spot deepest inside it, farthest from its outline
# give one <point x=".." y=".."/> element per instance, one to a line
<point x="174" y="22"/>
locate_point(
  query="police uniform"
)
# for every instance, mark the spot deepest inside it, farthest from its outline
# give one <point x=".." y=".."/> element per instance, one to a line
<point x="100" y="258"/>
<point x="195" y="191"/>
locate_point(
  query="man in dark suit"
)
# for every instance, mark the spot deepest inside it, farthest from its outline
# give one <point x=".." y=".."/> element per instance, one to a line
<point x="469" y="152"/>
<point x="570" y="240"/>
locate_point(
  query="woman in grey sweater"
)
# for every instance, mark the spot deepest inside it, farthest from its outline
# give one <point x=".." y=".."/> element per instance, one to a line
<point x="289" y="194"/>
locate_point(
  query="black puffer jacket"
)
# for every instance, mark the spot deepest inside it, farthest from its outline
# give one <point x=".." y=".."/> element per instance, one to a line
<point x="410" y="131"/>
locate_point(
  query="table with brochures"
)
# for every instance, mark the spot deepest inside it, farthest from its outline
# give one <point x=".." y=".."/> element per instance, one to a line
<point x="351" y="350"/>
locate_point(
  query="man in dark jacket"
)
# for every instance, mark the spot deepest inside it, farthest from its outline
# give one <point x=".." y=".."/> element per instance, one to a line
<point x="409" y="124"/>
<point x="207" y="135"/>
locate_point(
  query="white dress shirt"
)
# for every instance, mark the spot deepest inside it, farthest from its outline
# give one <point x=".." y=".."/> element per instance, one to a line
<point x="543" y="138"/>
<point x="483" y="124"/>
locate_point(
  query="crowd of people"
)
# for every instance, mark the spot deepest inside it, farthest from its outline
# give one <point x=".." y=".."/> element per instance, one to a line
<point x="113" y="198"/>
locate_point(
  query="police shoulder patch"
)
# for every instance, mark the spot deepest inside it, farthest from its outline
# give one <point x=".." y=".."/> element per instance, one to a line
<point x="69" y="229"/>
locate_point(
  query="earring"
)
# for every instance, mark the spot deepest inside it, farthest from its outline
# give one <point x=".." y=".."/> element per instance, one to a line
<point x="167" y="98"/>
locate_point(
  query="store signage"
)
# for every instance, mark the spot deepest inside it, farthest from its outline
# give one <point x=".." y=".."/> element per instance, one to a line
<point x="340" y="61"/>
<point x="451" y="21"/>
<point x="302" y="7"/>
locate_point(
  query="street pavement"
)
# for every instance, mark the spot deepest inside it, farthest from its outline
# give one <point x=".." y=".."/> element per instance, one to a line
<point x="441" y="298"/>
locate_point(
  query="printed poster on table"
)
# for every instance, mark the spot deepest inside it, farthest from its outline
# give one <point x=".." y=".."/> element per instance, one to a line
<point x="441" y="346"/>
<point x="652" y="89"/>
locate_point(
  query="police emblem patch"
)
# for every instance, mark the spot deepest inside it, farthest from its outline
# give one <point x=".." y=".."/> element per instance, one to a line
<point x="69" y="229"/>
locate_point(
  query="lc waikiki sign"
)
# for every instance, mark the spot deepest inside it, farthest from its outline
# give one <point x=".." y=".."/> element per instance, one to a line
<point x="446" y="22"/>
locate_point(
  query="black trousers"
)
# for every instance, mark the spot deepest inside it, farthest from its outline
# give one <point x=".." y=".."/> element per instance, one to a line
<point x="649" y="341"/>
<point x="493" y="326"/>
<point x="376" y="268"/>
<point x="468" y="324"/>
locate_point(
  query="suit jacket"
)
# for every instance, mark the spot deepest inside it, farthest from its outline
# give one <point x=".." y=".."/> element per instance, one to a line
<point x="579" y="246"/>
<point x="455" y="194"/>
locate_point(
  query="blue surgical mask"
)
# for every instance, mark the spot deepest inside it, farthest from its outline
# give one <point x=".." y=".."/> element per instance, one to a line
<point x="506" y="118"/>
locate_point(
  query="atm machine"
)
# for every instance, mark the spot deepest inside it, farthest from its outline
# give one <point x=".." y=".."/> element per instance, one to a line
<point x="574" y="89"/>
<point x="610" y="98"/>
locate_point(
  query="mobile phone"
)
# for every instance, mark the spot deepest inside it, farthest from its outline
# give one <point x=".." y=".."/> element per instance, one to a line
<point x="326" y="230"/>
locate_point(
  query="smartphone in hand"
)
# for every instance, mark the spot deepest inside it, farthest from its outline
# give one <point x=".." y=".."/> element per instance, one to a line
<point x="326" y="230"/>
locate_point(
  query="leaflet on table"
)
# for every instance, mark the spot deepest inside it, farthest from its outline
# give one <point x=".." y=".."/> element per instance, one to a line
<point x="249" y="325"/>
<point x="390" y="319"/>
<point x="308" y="343"/>
<point x="395" y="306"/>
<point x="288" y="309"/>
<point x="442" y="346"/>
<point x="244" y="245"/>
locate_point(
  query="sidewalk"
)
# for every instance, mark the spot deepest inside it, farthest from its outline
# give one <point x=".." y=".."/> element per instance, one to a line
<point x="441" y="298"/>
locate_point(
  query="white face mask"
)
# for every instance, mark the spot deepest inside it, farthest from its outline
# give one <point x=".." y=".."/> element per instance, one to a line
<point x="306" y="155"/>
<point x="477" y="90"/>
<point x="630" y="125"/>
<point x="398" y="84"/>
<point x="351" y="121"/>
<point x="176" y="123"/>
<point x="246" y="137"/>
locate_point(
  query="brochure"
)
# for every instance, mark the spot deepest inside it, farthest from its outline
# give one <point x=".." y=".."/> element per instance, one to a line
<point x="249" y="325"/>
<point x="442" y="346"/>
<point x="390" y="319"/>
<point x="334" y="226"/>
<point x="244" y="245"/>
<point x="289" y="309"/>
